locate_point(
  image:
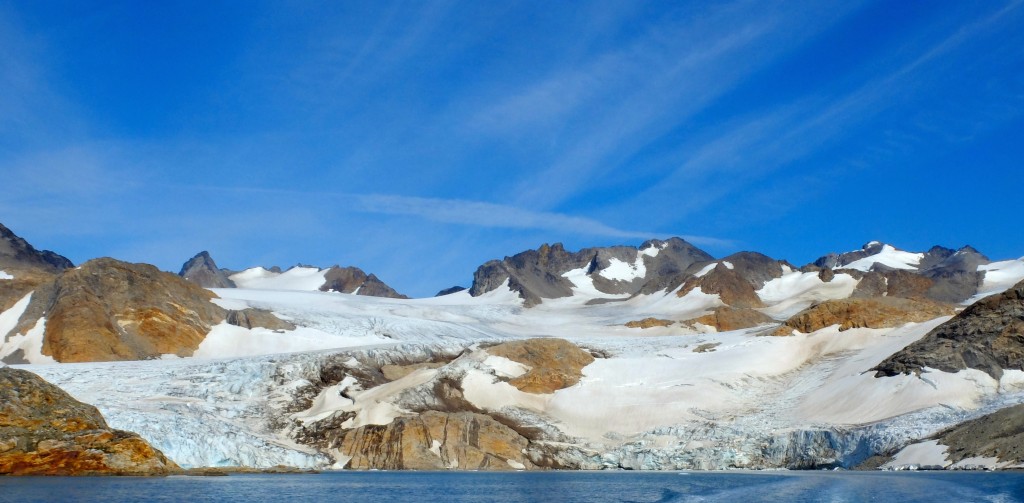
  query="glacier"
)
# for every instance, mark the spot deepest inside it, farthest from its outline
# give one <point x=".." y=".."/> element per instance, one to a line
<point x="649" y="401"/>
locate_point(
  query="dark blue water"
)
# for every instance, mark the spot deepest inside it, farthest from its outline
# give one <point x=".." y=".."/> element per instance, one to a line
<point x="438" y="487"/>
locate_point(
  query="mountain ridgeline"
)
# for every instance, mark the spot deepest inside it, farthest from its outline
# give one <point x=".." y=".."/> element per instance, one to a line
<point x="940" y="274"/>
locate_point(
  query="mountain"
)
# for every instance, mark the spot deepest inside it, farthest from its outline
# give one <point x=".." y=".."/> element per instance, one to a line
<point x="203" y="271"/>
<point x="44" y="431"/>
<point x="551" y="272"/>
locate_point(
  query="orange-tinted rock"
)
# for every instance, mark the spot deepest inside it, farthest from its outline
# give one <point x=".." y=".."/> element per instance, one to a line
<point x="554" y="363"/>
<point x="649" y="323"/>
<point x="436" y="441"/>
<point x="44" y="431"/>
<point x="875" y="312"/>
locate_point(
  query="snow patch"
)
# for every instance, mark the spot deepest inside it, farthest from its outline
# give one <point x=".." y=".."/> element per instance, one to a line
<point x="296" y="278"/>
<point x="30" y="343"/>
<point x="4" y="275"/>
<point x="795" y="291"/>
<point x="889" y="256"/>
<point x="999" y="276"/>
<point x="705" y="270"/>
<point x="618" y="270"/>
<point x="9" y="319"/>
<point x="652" y="250"/>
<point x="503" y="367"/>
<point x="584" y="286"/>
<point x="728" y="265"/>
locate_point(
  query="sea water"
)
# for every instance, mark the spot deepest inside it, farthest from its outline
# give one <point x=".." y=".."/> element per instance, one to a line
<point x="439" y="487"/>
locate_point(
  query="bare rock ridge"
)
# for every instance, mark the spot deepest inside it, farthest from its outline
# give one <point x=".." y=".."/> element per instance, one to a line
<point x="940" y="274"/>
<point x="988" y="336"/>
<point x="539" y="274"/>
<point x="109" y="310"/>
<point x="203" y="271"/>
<point x="44" y="431"/>
<point x="18" y="254"/>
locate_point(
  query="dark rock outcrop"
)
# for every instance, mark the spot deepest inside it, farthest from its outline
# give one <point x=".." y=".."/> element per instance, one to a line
<point x="988" y="336"/>
<point x="44" y="431"/>
<point x="354" y="280"/>
<point x="203" y="271"/>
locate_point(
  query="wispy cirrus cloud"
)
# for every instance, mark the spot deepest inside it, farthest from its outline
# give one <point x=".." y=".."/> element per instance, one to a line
<point x="491" y="215"/>
<point x="752" y="148"/>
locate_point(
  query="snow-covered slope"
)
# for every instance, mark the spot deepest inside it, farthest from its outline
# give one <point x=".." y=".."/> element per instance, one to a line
<point x="675" y="399"/>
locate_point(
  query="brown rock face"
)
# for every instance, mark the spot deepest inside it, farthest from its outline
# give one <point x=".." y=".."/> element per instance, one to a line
<point x="876" y="312"/>
<point x="44" y="431"/>
<point x="554" y="363"/>
<point x="111" y="310"/>
<point x="728" y="318"/>
<point x="437" y="441"/>
<point x="988" y="336"/>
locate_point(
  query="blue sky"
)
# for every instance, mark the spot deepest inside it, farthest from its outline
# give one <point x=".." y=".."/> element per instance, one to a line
<point x="419" y="139"/>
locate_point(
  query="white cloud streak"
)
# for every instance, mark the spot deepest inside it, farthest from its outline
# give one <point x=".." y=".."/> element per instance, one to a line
<point x="490" y="215"/>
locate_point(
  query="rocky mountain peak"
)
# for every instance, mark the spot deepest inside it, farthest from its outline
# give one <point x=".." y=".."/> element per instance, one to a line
<point x="203" y="271"/>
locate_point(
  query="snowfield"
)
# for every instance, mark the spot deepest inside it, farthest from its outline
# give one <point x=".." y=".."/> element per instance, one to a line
<point x="650" y="402"/>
